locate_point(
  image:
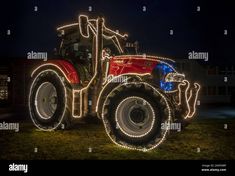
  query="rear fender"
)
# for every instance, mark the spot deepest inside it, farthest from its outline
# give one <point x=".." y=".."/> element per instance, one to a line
<point x="60" y="66"/>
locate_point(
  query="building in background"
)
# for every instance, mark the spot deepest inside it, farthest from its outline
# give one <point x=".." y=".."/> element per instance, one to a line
<point x="217" y="82"/>
<point x="4" y="85"/>
<point x="14" y="82"/>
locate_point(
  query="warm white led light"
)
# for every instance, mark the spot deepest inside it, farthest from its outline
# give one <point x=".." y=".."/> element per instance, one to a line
<point x="66" y="26"/>
<point x="171" y="91"/>
<point x="185" y="82"/>
<point x="49" y="64"/>
<point x="190" y="113"/>
<point x="144" y="56"/>
<point x="197" y="87"/>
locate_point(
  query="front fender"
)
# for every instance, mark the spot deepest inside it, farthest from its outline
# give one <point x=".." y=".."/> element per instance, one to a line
<point x="112" y="84"/>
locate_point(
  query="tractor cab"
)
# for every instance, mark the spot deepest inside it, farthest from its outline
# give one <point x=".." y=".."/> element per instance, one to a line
<point x="81" y="50"/>
<point x="77" y="50"/>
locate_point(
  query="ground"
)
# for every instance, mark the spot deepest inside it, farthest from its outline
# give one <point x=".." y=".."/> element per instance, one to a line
<point x="202" y="139"/>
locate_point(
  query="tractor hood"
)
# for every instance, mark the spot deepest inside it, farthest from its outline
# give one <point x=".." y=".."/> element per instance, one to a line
<point x="162" y="69"/>
<point x="140" y="64"/>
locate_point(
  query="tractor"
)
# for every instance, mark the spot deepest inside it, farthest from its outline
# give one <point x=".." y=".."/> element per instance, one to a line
<point x="95" y="74"/>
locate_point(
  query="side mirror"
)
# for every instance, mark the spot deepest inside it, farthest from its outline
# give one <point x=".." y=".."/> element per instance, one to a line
<point x="83" y="26"/>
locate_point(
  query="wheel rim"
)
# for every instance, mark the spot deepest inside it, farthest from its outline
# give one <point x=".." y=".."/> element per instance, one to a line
<point x="135" y="117"/>
<point x="46" y="100"/>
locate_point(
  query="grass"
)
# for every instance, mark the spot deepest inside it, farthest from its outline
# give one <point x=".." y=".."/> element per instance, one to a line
<point x="209" y="135"/>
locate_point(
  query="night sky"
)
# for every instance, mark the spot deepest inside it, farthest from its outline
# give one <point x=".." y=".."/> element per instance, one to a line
<point x="193" y="31"/>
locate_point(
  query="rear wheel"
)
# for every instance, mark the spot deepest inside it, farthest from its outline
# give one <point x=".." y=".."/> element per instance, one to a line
<point x="134" y="114"/>
<point x="48" y="101"/>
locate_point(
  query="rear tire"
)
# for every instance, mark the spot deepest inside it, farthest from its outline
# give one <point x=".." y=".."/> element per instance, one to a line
<point x="133" y="115"/>
<point x="49" y="100"/>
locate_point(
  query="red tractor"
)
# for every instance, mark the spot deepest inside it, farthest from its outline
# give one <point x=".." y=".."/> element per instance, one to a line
<point x="94" y="76"/>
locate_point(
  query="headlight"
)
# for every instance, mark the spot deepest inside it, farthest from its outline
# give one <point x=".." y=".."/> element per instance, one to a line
<point x="174" y="77"/>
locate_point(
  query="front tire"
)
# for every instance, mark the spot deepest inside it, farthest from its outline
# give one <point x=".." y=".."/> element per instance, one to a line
<point x="48" y="101"/>
<point x="134" y="114"/>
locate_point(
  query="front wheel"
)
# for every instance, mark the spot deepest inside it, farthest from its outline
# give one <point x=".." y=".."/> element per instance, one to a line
<point x="134" y="115"/>
<point x="48" y="101"/>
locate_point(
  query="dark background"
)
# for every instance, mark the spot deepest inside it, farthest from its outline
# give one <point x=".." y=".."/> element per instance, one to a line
<point x="193" y="31"/>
